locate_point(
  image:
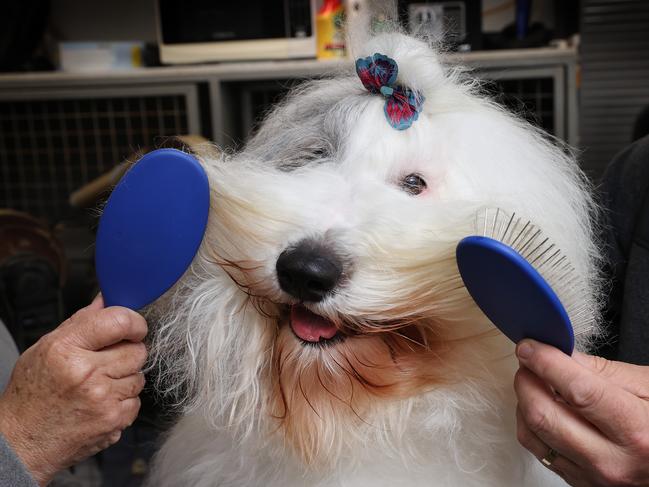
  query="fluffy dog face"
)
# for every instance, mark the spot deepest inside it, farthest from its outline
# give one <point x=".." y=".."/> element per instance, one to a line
<point x="349" y="260"/>
<point x="325" y="298"/>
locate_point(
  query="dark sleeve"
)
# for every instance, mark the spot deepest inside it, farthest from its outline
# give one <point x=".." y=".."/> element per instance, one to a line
<point x="624" y="186"/>
<point x="622" y="191"/>
<point x="8" y="356"/>
<point x="12" y="471"/>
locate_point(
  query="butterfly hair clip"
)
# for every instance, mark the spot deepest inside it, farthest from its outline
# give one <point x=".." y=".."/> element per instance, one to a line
<point x="378" y="73"/>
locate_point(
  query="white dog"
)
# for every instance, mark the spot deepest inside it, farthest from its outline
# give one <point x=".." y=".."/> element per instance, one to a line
<point x="322" y="336"/>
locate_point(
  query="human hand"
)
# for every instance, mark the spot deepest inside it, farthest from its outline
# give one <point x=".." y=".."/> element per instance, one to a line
<point x="597" y="421"/>
<point x="73" y="392"/>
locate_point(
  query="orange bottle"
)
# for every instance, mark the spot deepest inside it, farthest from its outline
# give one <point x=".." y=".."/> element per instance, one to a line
<point x="330" y="33"/>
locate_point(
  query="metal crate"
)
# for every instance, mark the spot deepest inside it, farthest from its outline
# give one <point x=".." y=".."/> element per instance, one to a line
<point x="51" y="143"/>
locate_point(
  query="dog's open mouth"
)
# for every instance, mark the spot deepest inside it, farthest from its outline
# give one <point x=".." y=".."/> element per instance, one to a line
<point x="312" y="328"/>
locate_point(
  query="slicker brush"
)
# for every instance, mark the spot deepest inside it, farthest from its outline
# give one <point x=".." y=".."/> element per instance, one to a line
<point x="523" y="282"/>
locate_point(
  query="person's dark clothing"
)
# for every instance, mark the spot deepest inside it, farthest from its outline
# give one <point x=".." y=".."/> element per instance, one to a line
<point x="625" y="189"/>
<point x="12" y="471"/>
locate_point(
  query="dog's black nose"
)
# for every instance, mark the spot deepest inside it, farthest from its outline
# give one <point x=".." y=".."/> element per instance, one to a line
<point x="308" y="271"/>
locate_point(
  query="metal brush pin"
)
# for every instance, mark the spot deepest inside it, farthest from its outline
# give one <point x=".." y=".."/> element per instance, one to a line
<point x="529" y="241"/>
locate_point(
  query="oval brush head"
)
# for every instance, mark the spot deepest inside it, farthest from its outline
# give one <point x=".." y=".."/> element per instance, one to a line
<point x="522" y="282"/>
<point x="151" y="228"/>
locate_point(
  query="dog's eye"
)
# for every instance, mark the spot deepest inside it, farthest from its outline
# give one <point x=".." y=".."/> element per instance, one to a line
<point x="316" y="153"/>
<point x="413" y="184"/>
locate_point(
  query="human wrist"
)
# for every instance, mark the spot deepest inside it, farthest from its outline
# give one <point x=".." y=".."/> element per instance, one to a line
<point x="24" y="447"/>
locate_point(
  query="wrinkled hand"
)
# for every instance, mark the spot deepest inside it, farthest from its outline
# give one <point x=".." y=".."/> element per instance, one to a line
<point x="75" y="390"/>
<point x="597" y="420"/>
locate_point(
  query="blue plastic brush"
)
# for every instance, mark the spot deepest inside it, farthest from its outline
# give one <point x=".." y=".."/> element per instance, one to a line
<point x="151" y="228"/>
<point x="522" y="282"/>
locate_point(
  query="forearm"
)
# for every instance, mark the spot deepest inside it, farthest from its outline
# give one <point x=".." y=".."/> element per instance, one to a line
<point x="12" y="471"/>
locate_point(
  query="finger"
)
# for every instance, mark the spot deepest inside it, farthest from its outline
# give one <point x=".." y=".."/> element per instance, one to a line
<point x="560" y="465"/>
<point x="122" y="359"/>
<point x="555" y="424"/>
<point x="633" y="378"/>
<point x="113" y="438"/>
<point x="616" y="412"/>
<point x="94" y="330"/>
<point x="130" y="408"/>
<point x="129" y="386"/>
<point x="97" y="303"/>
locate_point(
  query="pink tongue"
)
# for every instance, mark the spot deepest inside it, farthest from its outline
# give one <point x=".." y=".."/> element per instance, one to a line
<point x="309" y="326"/>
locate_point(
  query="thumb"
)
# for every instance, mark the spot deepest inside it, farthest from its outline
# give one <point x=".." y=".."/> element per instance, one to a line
<point x="632" y="378"/>
<point x="97" y="303"/>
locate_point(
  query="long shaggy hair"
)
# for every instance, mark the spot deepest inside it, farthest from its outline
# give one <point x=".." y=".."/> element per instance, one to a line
<point x="415" y="387"/>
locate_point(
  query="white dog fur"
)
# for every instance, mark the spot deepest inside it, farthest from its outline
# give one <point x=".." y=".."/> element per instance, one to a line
<point x="436" y="407"/>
